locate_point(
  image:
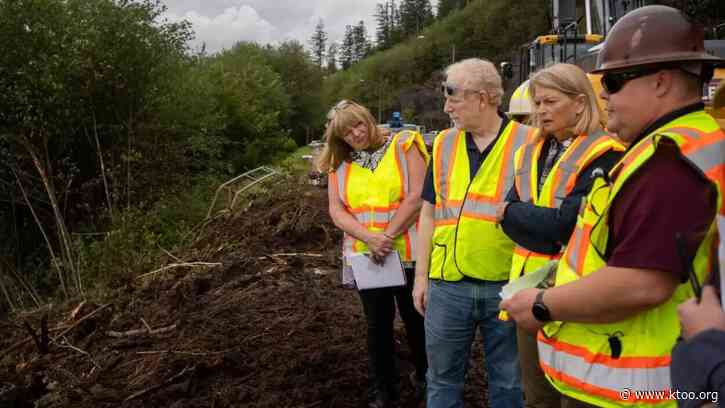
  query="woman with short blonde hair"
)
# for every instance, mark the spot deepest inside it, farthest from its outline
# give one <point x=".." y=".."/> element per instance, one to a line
<point x="374" y="189"/>
<point x="553" y="172"/>
<point x="572" y="82"/>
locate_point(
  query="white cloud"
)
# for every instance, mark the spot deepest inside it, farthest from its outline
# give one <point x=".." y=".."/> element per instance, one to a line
<point x="238" y="23"/>
<point x="221" y="23"/>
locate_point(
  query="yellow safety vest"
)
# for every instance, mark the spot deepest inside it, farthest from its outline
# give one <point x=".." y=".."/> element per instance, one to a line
<point x="373" y="197"/>
<point x="596" y="363"/>
<point x="466" y="241"/>
<point x="560" y="181"/>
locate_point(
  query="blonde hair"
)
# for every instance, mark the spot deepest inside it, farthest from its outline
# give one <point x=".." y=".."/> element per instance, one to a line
<point x="571" y="81"/>
<point x="481" y="75"/>
<point x="342" y="117"/>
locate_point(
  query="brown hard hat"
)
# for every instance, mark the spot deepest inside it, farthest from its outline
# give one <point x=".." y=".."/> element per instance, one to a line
<point x="653" y="35"/>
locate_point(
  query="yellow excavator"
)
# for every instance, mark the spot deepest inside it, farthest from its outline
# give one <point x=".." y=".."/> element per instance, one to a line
<point x="579" y="28"/>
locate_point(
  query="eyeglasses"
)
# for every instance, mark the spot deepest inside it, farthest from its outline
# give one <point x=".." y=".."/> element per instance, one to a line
<point x="449" y="89"/>
<point x="338" y="107"/>
<point x="613" y="82"/>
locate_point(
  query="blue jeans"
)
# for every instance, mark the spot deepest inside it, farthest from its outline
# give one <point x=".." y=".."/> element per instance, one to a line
<point x="453" y="312"/>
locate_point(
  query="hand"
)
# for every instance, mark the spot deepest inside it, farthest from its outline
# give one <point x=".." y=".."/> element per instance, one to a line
<point x="377" y="260"/>
<point x="708" y="314"/>
<point x="420" y="293"/>
<point x="519" y="309"/>
<point x="380" y="245"/>
<point x="501" y="210"/>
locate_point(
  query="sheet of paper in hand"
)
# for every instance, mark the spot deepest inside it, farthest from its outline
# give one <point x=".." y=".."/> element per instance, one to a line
<point x="369" y="275"/>
<point x="536" y="279"/>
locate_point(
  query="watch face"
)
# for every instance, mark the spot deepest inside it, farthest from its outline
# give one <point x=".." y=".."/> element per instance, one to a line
<point x="540" y="312"/>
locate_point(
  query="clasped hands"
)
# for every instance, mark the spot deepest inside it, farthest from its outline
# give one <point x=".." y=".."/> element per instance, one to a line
<point x="380" y="245"/>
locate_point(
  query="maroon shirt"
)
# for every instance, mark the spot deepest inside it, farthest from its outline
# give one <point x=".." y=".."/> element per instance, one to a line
<point x="665" y="197"/>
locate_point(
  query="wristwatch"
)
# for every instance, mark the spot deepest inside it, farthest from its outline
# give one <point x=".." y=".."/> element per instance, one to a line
<point x="539" y="309"/>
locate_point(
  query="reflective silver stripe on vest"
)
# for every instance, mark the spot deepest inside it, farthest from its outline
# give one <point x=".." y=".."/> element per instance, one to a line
<point x="569" y="166"/>
<point x="573" y="248"/>
<point x="527" y="168"/>
<point x="690" y="133"/>
<point x="342" y="170"/>
<point x="519" y="138"/>
<point x="446" y="213"/>
<point x="404" y="136"/>
<point x="448" y="142"/>
<point x="377" y="217"/>
<point x="708" y="156"/>
<point x="599" y="375"/>
<point x="485" y="209"/>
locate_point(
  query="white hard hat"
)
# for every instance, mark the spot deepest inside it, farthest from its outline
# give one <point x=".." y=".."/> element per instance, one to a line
<point x="520" y="103"/>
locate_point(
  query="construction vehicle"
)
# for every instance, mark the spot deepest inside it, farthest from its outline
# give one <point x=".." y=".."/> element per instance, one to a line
<point x="579" y="28"/>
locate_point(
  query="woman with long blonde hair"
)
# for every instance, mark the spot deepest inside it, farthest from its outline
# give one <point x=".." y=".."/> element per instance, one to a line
<point x="374" y="188"/>
<point x="553" y="172"/>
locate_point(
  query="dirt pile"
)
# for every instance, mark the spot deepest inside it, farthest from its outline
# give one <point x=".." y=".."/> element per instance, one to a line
<point x="250" y="315"/>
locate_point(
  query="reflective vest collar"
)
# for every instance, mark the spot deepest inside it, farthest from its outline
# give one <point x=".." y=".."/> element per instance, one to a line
<point x="560" y="180"/>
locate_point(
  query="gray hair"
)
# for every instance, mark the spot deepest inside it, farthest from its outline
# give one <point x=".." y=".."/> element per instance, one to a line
<point x="482" y="75"/>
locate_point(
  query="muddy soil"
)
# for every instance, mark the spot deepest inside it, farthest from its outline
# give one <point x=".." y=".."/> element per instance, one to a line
<point x="268" y="326"/>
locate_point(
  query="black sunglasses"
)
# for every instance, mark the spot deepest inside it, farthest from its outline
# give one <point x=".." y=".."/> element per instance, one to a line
<point x="449" y="89"/>
<point x="613" y="82"/>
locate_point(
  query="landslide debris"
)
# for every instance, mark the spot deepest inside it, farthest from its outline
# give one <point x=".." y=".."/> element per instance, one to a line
<point x="257" y="318"/>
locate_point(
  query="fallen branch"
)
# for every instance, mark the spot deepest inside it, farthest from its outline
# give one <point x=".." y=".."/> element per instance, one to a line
<point x="137" y="332"/>
<point x="169" y="381"/>
<point x="84" y="318"/>
<point x="293" y="254"/>
<point x="183" y="353"/>
<point x="179" y="265"/>
<point x="67" y="344"/>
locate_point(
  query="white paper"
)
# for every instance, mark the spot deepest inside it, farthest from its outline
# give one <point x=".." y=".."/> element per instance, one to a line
<point x="525" y="282"/>
<point x="369" y="275"/>
<point x="721" y="251"/>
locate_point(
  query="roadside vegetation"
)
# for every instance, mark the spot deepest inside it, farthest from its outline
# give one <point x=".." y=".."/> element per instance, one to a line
<point x="114" y="134"/>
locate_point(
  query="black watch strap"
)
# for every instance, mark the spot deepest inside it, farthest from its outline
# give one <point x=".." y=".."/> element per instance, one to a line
<point x="539" y="309"/>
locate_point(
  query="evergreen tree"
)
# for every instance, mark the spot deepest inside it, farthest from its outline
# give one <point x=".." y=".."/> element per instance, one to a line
<point x="319" y="43"/>
<point x="348" y="44"/>
<point x="414" y="16"/>
<point x="332" y="58"/>
<point x="383" y="30"/>
<point x="361" y="44"/>
<point x="446" y="6"/>
<point x="396" y="32"/>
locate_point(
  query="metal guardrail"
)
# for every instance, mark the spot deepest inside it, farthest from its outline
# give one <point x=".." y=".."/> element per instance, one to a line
<point x="239" y="184"/>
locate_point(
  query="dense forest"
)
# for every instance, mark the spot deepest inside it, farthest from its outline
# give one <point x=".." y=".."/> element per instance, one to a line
<point x="114" y="134"/>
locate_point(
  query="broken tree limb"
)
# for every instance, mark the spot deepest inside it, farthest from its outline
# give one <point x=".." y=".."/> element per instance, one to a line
<point x="185" y="353"/>
<point x="179" y="265"/>
<point x="137" y="332"/>
<point x="65" y="343"/>
<point x="313" y="255"/>
<point x="167" y="382"/>
<point x="81" y="320"/>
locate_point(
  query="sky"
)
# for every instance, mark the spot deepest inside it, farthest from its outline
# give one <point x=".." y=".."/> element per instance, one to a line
<point x="221" y="23"/>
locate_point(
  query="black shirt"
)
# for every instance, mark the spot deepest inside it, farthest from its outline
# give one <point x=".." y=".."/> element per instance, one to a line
<point x="475" y="159"/>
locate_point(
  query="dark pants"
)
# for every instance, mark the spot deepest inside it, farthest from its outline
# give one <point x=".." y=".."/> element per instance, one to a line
<point x="379" y="307"/>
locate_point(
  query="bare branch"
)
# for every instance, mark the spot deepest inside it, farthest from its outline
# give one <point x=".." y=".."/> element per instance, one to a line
<point x="179" y="265"/>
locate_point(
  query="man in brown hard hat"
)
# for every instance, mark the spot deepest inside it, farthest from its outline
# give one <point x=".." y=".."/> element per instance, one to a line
<point x="644" y="239"/>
